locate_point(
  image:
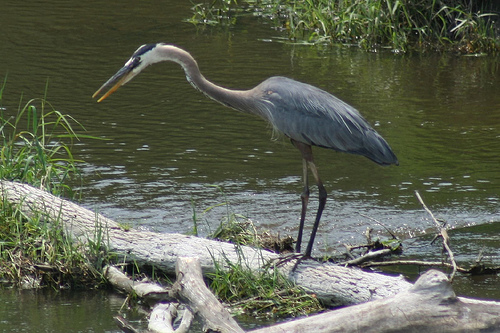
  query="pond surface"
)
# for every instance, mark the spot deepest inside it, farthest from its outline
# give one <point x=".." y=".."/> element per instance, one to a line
<point x="66" y="311"/>
<point x="170" y="151"/>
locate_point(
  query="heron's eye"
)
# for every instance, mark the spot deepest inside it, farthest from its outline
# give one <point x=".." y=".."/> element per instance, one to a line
<point x="136" y="62"/>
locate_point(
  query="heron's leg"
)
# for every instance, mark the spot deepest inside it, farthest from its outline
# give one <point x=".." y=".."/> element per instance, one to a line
<point x="305" y="200"/>
<point x="307" y="158"/>
<point x="322" y="203"/>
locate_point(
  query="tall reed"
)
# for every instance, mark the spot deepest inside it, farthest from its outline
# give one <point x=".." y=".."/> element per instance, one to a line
<point x="400" y="25"/>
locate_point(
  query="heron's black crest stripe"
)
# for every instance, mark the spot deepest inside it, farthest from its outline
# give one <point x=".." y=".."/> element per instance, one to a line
<point x="144" y="49"/>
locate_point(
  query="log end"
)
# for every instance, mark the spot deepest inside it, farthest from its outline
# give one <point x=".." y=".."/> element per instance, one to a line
<point x="435" y="283"/>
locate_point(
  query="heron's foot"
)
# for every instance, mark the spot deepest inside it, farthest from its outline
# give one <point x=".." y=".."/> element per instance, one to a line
<point x="295" y="258"/>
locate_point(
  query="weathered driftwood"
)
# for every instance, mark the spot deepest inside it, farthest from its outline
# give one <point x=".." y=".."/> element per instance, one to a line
<point x="124" y="325"/>
<point x="334" y="285"/>
<point x="163" y="316"/>
<point x="191" y="290"/>
<point x="148" y="291"/>
<point x="429" y="306"/>
<point x="162" y="299"/>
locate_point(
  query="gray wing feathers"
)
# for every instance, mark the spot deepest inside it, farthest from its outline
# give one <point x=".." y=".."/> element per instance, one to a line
<point x="313" y="116"/>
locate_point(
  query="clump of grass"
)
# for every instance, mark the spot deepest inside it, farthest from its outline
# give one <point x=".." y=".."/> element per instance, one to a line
<point x="371" y="24"/>
<point x="240" y="230"/>
<point x="265" y="294"/>
<point x="214" y="12"/>
<point x="237" y="229"/>
<point x="36" y="146"/>
<point x="36" y="149"/>
<point x="34" y="253"/>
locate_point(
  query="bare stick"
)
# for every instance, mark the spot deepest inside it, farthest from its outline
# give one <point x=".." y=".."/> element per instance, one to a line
<point x="444" y="235"/>
<point x="414" y="263"/>
<point x="124" y="325"/>
<point x="380" y="224"/>
<point x="368" y="256"/>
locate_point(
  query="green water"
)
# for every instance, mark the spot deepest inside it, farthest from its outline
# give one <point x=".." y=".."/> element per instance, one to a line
<point x="167" y="145"/>
<point x="65" y="311"/>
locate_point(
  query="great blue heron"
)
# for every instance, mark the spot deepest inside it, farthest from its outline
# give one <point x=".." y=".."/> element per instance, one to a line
<point x="307" y="115"/>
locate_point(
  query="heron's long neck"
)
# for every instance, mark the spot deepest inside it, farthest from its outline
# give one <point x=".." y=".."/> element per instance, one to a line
<point x="236" y="99"/>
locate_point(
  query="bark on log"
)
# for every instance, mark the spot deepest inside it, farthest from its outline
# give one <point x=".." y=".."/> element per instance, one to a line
<point x="334" y="285"/>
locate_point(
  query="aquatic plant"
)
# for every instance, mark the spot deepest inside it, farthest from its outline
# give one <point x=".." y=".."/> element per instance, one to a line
<point x="34" y="251"/>
<point x="372" y="24"/>
<point x="36" y="145"/>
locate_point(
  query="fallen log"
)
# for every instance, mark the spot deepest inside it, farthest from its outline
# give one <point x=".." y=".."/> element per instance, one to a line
<point x="188" y="289"/>
<point x="334" y="285"/>
<point x="149" y="291"/>
<point x="430" y="305"/>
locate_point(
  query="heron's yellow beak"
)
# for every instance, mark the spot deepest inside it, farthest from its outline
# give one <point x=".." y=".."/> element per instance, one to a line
<point x="121" y="77"/>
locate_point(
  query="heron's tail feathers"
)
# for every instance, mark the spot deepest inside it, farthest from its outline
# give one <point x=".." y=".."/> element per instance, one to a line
<point x="378" y="150"/>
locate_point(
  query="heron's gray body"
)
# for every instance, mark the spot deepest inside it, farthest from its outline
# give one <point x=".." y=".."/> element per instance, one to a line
<point x="315" y="117"/>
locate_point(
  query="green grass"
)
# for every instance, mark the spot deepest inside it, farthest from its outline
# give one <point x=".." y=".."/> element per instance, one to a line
<point x="214" y="12"/>
<point x="34" y="253"/>
<point x="36" y="149"/>
<point x="36" y="146"/>
<point x="265" y="294"/>
<point x="370" y="24"/>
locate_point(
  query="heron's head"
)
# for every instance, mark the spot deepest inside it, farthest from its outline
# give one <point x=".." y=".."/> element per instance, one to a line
<point x="142" y="58"/>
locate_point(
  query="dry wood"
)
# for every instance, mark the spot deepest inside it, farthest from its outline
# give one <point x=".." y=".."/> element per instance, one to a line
<point x="333" y="285"/>
<point x="162" y="314"/>
<point x="444" y="235"/>
<point x="162" y="318"/>
<point x="147" y="290"/>
<point x="368" y="256"/>
<point x="124" y="325"/>
<point x="429" y="306"/>
<point x="192" y="291"/>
